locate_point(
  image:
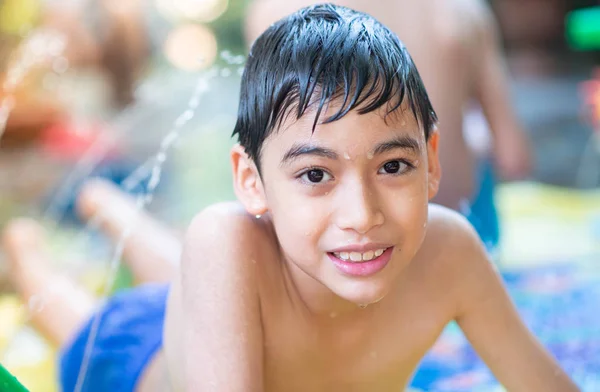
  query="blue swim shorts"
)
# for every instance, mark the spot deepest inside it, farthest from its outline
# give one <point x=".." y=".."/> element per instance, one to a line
<point x="129" y="333"/>
<point x="482" y="213"/>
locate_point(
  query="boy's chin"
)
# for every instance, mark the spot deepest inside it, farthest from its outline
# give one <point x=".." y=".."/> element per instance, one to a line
<point x="363" y="293"/>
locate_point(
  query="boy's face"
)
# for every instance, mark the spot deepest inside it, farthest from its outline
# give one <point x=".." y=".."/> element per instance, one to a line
<point x="349" y="202"/>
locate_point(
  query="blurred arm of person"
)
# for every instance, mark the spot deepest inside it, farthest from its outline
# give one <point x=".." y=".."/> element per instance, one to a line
<point x="511" y="146"/>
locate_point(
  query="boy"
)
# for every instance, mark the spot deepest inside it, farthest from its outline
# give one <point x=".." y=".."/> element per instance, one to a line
<point x="333" y="273"/>
<point x="455" y="46"/>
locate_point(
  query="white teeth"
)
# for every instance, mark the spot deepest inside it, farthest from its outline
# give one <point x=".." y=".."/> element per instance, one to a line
<point x="357" y="256"/>
<point x="370" y="255"/>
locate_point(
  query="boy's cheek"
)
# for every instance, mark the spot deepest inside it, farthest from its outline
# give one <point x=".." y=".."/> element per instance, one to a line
<point x="303" y="220"/>
<point x="409" y="210"/>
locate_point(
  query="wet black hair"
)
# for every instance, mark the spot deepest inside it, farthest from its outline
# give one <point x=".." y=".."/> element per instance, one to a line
<point x="319" y="54"/>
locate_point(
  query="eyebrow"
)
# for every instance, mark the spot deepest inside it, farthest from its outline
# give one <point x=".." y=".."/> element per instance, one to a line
<point x="403" y="142"/>
<point x="299" y="150"/>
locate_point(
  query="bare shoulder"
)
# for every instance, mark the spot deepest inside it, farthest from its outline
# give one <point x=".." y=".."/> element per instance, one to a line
<point x="450" y="233"/>
<point x="227" y="227"/>
<point x="452" y="252"/>
<point x="224" y="243"/>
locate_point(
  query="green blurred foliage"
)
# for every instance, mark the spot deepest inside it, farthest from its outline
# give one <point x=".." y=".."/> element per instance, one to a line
<point x="229" y="27"/>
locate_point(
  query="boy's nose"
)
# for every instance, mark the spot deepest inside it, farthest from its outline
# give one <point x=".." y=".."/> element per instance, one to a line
<point x="358" y="209"/>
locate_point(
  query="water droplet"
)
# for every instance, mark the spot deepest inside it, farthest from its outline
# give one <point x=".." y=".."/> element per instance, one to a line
<point x="333" y="314"/>
<point x="202" y="85"/>
<point x="362" y="306"/>
<point x="307" y="233"/>
<point x="188" y="114"/>
<point x="464" y="207"/>
<point x="168" y="140"/>
<point x="35" y="304"/>
<point x="253" y="261"/>
<point x="154" y="178"/>
<point x="60" y="65"/>
<point x="180" y="122"/>
<point x="55" y="45"/>
<point x="369" y="155"/>
<point x="148" y="199"/>
<point x="194" y="102"/>
<point x="373" y="354"/>
<point x="225" y="72"/>
<point x="346" y="155"/>
<point x="257" y="216"/>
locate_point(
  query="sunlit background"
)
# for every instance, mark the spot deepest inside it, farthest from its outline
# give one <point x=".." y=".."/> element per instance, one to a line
<point x="93" y="90"/>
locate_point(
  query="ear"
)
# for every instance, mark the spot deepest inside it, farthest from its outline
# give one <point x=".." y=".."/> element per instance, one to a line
<point x="246" y="182"/>
<point x="433" y="162"/>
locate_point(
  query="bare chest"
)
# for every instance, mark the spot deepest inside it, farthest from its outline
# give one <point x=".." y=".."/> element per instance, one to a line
<point x="378" y="357"/>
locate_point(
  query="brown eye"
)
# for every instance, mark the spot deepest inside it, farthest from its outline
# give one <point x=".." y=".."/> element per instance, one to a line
<point x="392" y="167"/>
<point x="315" y="175"/>
<point x="395" y="167"/>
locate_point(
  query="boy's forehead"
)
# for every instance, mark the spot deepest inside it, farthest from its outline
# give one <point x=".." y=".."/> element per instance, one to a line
<point x="380" y="120"/>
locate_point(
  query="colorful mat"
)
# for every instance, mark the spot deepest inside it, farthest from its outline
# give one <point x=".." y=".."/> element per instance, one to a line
<point x="559" y="304"/>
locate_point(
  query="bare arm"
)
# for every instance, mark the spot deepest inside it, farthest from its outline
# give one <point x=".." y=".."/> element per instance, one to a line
<point x="214" y="310"/>
<point x="491" y="323"/>
<point x="492" y="90"/>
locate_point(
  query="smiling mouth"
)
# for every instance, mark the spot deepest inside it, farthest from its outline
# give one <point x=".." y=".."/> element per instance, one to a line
<point x="361" y="264"/>
<point x="358" y="257"/>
